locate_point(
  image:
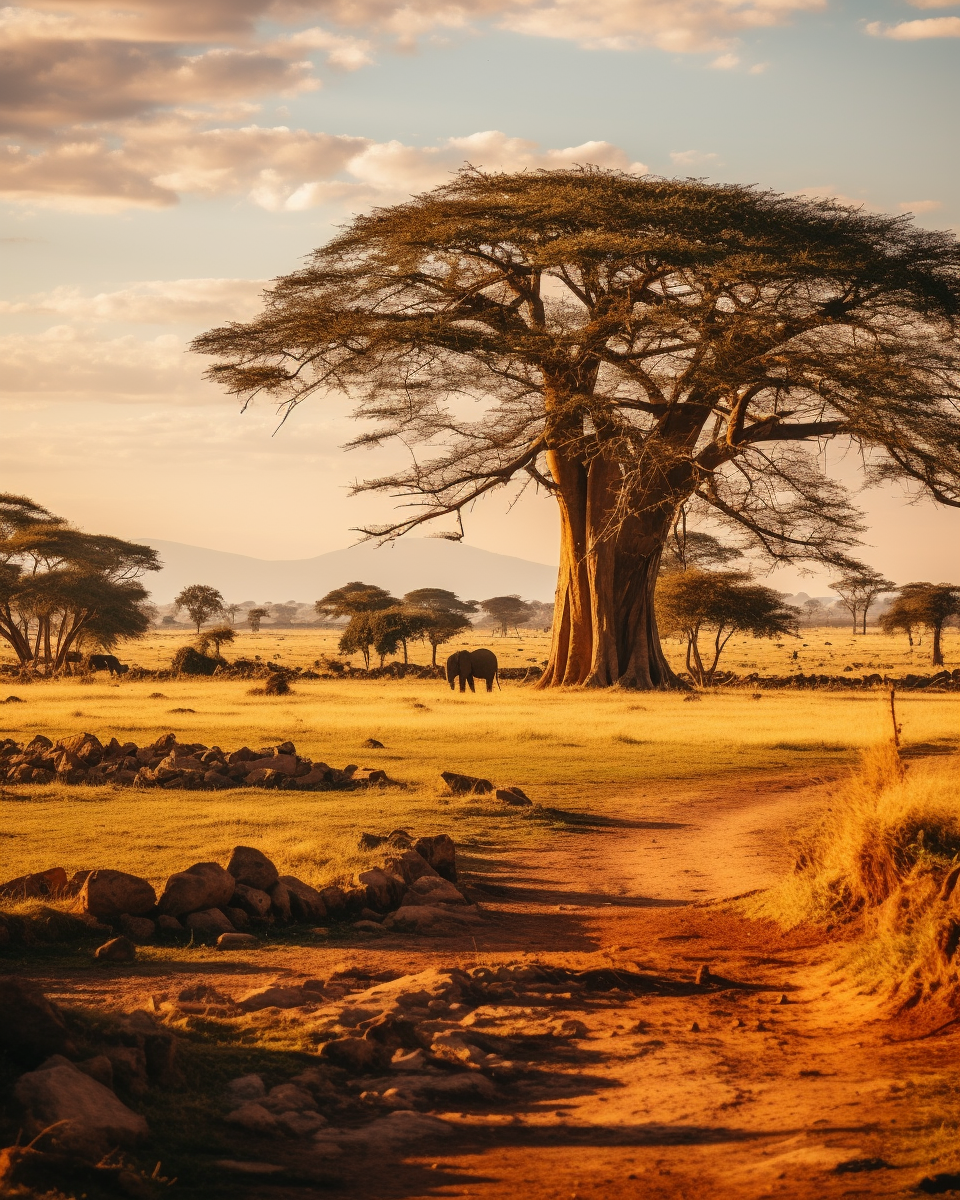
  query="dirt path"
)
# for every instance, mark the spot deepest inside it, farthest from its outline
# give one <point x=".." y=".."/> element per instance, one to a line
<point x="774" y="1078"/>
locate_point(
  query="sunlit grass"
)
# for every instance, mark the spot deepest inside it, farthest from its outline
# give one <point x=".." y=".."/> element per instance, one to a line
<point x="580" y="751"/>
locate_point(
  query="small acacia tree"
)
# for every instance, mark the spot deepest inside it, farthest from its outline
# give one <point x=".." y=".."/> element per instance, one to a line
<point x="359" y="636"/>
<point x="201" y="602"/>
<point x="439" y="615"/>
<point x="719" y="603"/>
<point x="858" y="588"/>
<point x="507" y="611"/>
<point x="220" y="635"/>
<point x="930" y="605"/>
<point x="635" y="345"/>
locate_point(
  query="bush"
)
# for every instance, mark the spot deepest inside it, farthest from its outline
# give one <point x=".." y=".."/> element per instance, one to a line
<point x="189" y="661"/>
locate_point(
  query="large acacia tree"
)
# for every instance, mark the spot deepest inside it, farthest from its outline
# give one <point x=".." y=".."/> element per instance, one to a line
<point x="633" y="346"/>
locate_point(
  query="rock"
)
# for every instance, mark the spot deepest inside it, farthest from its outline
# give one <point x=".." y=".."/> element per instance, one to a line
<point x="334" y="900"/>
<point x="202" y="886"/>
<point x="41" y="883"/>
<point x="246" y="1167"/>
<point x="283" y="764"/>
<point x="31" y="1027"/>
<point x="138" y="929"/>
<point x="419" y="917"/>
<point x="87" y="748"/>
<point x="246" y="1087"/>
<point x="410" y="866"/>
<point x="514" y="796"/>
<point x="129" y="1066"/>
<point x="466" y="785"/>
<point x="252" y="868"/>
<point x="441" y="853"/>
<point x="237" y="941"/>
<point x="301" y="1124"/>
<point x="95" y="1119"/>
<point x="254" y="1118"/>
<point x="453" y="1047"/>
<point x="108" y="895"/>
<point x="167" y="924"/>
<point x="272" y="997"/>
<point x="368" y="926"/>
<point x="236" y="916"/>
<point x="306" y="903"/>
<point x="117" y="950"/>
<point x="414" y="991"/>
<point x="209" y="921"/>
<point x="703" y="974"/>
<point x="388" y="1132"/>
<point x="433" y="890"/>
<point x="254" y="902"/>
<point x="280" y="902"/>
<point x="99" y="1068"/>
<point x="351" y="1053"/>
<point x="288" y="1097"/>
<point x="373" y="744"/>
<point x="384" y="889"/>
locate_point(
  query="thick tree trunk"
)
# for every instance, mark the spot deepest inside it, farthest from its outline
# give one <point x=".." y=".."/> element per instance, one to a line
<point x="937" y="648"/>
<point x="605" y="628"/>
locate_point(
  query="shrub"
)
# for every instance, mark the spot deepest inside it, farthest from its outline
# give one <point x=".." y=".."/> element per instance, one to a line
<point x="189" y="661"/>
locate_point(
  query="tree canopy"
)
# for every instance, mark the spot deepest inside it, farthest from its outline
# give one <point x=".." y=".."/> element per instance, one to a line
<point x="631" y="345"/>
<point x="62" y="590"/>
<point x="928" y="605"/>
<point x="201" y="601"/>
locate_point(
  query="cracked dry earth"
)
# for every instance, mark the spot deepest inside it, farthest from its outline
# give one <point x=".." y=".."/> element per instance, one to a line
<point x="564" y="1048"/>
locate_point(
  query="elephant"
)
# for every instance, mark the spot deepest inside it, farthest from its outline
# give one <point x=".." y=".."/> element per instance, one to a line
<point x="470" y="665"/>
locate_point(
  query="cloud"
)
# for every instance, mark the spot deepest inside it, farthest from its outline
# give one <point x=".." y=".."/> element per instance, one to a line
<point x="693" y="158"/>
<point x="920" y="206"/>
<point x="156" y="301"/>
<point x="912" y="31"/>
<point x="726" y="62"/>
<point x="277" y="168"/>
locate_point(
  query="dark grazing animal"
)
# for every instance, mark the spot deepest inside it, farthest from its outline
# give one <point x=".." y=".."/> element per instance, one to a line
<point x="106" y="662"/>
<point x="470" y="665"/>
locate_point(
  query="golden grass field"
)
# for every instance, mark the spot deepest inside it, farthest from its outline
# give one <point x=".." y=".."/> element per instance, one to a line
<point x="572" y="752"/>
<point x="826" y="650"/>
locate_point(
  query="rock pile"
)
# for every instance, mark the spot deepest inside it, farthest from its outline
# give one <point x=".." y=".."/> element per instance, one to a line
<point x="167" y="763"/>
<point x="412" y="888"/>
<point x="942" y="681"/>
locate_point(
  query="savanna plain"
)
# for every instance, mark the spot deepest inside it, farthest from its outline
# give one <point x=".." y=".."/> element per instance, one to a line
<point x="715" y="948"/>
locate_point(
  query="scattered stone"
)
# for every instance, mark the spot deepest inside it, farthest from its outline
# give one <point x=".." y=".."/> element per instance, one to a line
<point x="237" y="941"/>
<point x="367" y="914"/>
<point x="236" y="916"/>
<point x="41" y="883"/>
<point x="117" y="950"/>
<point x="99" y="1068"/>
<point x="280" y="902"/>
<point x="352" y="1053"/>
<point x="368" y="926"/>
<point x="694" y="1028"/>
<point x="784" y="999"/>
<point x="138" y="929"/>
<point x="301" y="1124"/>
<point x="514" y="796"/>
<point x="252" y="868"/>
<point x="433" y="890"/>
<point x="384" y="888"/>
<point x="14" y="700"/>
<point x="248" y="1168"/>
<point x="373" y="744"/>
<point x="254" y="1118"/>
<point x="419" y="917"/>
<point x="466" y="785"/>
<point x="109" y="895"/>
<point x="209" y="921"/>
<point x="306" y="903"/>
<point x="168" y="924"/>
<point x="272" y="997"/>
<point x="95" y="1120"/>
<point x="246" y="1087"/>
<point x="388" y="1132"/>
<point x="254" y="902"/>
<point x="31" y="1026"/>
<point x="202" y="886"/>
<point x="441" y="853"/>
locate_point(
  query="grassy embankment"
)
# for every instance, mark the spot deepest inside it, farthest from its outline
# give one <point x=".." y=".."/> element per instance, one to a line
<point x="579" y="753"/>
<point x="883" y="864"/>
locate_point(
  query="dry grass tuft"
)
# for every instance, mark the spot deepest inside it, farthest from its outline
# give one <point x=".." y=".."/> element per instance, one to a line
<point x="885" y="862"/>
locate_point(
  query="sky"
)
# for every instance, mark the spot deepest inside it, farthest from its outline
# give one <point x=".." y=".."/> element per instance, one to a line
<point x="164" y="159"/>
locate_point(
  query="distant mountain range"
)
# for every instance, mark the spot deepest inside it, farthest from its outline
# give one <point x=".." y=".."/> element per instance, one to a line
<point x="400" y="567"/>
